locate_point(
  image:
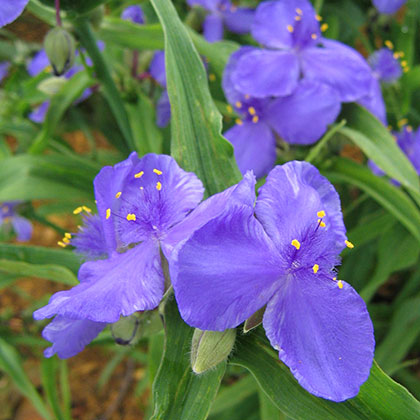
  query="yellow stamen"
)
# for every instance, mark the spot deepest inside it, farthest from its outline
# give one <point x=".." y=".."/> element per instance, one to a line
<point x="296" y="243"/>
<point x="62" y="244"/>
<point x="315" y="268"/>
<point x="321" y="214"/>
<point x="255" y="119"/>
<point x="212" y="77"/>
<point x="157" y="172"/>
<point x="318" y="18"/>
<point x="389" y="44"/>
<point x="139" y="174"/>
<point x="131" y="217"/>
<point x="238" y="104"/>
<point x="324" y="27"/>
<point x="238" y="121"/>
<point x="401" y="53"/>
<point x="321" y="223"/>
<point x="290" y="28"/>
<point x="86" y="209"/>
<point x="406" y="69"/>
<point x="67" y="235"/>
<point x="142" y="188"/>
<point x="348" y="244"/>
<point x="340" y="284"/>
<point x="77" y="210"/>
<point x="118" y="195"/>
<point x="299" y="11"/>
<point x="404" y="63"/>
<point x="229" y="109"/>
<point x="314" y="36"/>
<point x="247" y="96"/>
<point x="298" y="18"/>
<point x="334" y="278"/>
<point x="108" y="213"/>
<point x="158" y="186"/>
<point x="402" y="122"/>
<point x="66" y="240"/>
<point x="251" y="110"/>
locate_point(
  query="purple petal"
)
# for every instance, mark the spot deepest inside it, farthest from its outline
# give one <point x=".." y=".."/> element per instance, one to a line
<point x="160" y="198"/>
<point x="242" y="193"/>
<point x="376" y="170"/>
<point x="303" y="116"/>
<point x="22" y="228"/>
<point x="11" y="10"/>
<point x="4" y="70"/>
<point x="339" y="66"/>
<point x="134" y="14"/>
<point x="323" y="333"/>
<point x="38" y="63"/>
<point x="385" y="66"/>
<point x="388" y="6"/>
<point x="287" y="207"/>
<point x="39" y="113"/>
<point x="121" y="285"/>
<point x="213" y="28"/>
<point x="157" y="68"/>
<point x="226" y="271"/>
<point x="263" y="73"/>
<point x="374" y="102"/>
<point x="163" y="110"/>
<point x="70" y="336"/>
<point x="409" y="142"/>
<point x="239" y="20"/>
<point x="254" y="146"/>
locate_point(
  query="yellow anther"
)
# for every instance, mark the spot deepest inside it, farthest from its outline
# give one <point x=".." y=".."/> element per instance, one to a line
<point x="321" y="214"/>
<point x="157" y="172"/>
<point x="396" y="55"/>
<point x="79" y="227"/>
<point x="77" y="210"/>
<point x="340" y="284"/>
<point x="212" y="77"/>
<point x="139" y="174"/>
<point x="290" y="28"/>
<point x="118" y="195"/>
<point x="247" y="96"/>
<point x="229" y="109"/>
<point x="255" y="119"/>
<point x="238" y="104"/>
<point x="406" y="69"/>
<point x="318" y="18"/>
<point x="86" y="209"/>
<point x="321" y="223"/>
<point x="334" y="278"/>
<point x="298" y="18"/>
<point x="62" y="244"/>
<point x="389" y="44"/>
<point x="348" y="244"/>
<point x="67" y="235"/>
<point x="315" y="268"/>
<point x="131" y="217"/>
<point x="251" y="110"/>
<point x="401" y="53"/>
<point x="238" y="121"/>
<point x="66" y="240"/>
<point x="158" y="186"/>
<point x="324" y="27"/>
<point x="402" y="122"/>
<point x="299" y="11"/>
<point x="108" y="213"/>
<point x="142" y="188"/>
<point x="404" y="63"/>
<point x="296" y="243"/>
<point x="314" y="36"/>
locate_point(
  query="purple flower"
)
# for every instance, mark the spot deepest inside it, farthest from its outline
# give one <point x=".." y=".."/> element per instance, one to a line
<point x="141" y="203"/>
<point x="9" y="218"/>
<point x="300" y="77"/>
<point x="385" y="66"/>
<point x="223" y="13"/>
<point x="11" y="10"/>
<point x="388" y="6"/>
<point x="134" y="14"/>
<point x="39" y="113"/>
<point x="39" y="63"/>
<point x="281" y="253"/>
<point x="158" y="72"/>
<point x="4" y="69"/>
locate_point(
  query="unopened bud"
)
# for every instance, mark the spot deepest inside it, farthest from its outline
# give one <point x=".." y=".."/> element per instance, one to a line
<point x="96" y="16"/>
<point x="209" y="348"/>
<point x="52" y="85"/>
<point x="60" y="48"/>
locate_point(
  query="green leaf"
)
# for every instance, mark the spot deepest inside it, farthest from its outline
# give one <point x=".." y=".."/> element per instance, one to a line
<point x="380" y="398"/>
<point x="178" y="393"/>
<point x="11" y="363"/>
<point x="197" y="143"/>
<point x="52" y="272"/>
<point x="49" y="369"/>
<point x="60" y="102"/>
<point x="388" y="196"/>
<point x="377" y="143"/>
<point x="79" y="6"/>
<point x="40" y="255"/>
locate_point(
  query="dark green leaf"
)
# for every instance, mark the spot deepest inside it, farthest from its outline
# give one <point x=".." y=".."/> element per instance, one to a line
<point x="79" y="6"/>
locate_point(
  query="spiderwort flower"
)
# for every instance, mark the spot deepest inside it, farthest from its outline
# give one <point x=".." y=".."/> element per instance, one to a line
<point x="11" y="10"/>
<point x="388" y="7"/>
<point x="281" y="254"/>
<point x="139" y="201"/>
<point x="223" y="13"/>
<point x="9" y="218"/>
<point x="4" y="69"/>
<point x="134" y="14"/>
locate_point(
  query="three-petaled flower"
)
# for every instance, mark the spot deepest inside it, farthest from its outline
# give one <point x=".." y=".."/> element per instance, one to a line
<point x="9" y="218"/>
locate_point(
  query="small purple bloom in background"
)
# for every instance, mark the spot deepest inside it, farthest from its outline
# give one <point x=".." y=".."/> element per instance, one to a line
<point x="223" y="13"/>
<point x="388" y="6"/>
<point x="4" y="69"/>
<point x="301" y="76"/>
<point x="281" y="253"/>
<point x="141" y="202"/>
<point x="11" y="10"/>
<point x="134" y="14"/>
<point x="9" y="218"/>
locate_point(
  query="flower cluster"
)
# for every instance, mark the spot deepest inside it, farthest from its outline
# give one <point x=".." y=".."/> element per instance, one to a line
<point x="293" y="87"/>
<point x="227" y="258"/>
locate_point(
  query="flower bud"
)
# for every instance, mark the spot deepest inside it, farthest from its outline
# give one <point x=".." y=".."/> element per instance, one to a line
<point x="60" y="48"/>
<point x="209" y="348"/>
<point x="52" y="85"/>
